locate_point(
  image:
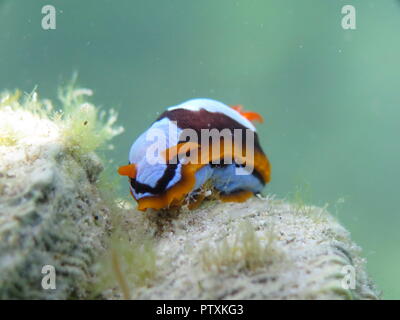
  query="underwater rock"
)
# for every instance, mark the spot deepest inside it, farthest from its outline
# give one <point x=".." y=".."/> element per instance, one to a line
<point x="259" y="249"/>
<point x="56" y="211"/>
<point x="51" y="209"/>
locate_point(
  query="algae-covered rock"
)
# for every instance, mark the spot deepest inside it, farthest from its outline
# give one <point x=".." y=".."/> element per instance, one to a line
<point x="51" y="209"/>
<point x="260" y="249"/>
<point x="55" y="211"/>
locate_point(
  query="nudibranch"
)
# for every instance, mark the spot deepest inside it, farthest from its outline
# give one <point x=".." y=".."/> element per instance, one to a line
<point x="198" y="149"/>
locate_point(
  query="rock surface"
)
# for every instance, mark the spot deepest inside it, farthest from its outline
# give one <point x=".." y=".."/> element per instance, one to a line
<point x="260" y="249"/>
<point x="51" y="210"/>
<point x="54" y="211"/>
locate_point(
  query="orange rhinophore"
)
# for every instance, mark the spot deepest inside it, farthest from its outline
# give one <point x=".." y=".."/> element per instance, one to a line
<point x="249" y="115"/>
<point x="128" y="170"/>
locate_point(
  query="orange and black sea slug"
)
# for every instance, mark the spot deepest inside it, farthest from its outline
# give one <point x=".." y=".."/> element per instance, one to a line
<point x="200" y="148"/>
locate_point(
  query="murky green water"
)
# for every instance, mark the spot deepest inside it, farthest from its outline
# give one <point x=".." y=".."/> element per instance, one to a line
<point x="330" y="97"/>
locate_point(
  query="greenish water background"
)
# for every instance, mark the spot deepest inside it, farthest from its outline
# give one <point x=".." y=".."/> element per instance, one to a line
<point x="330" y="96"/>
